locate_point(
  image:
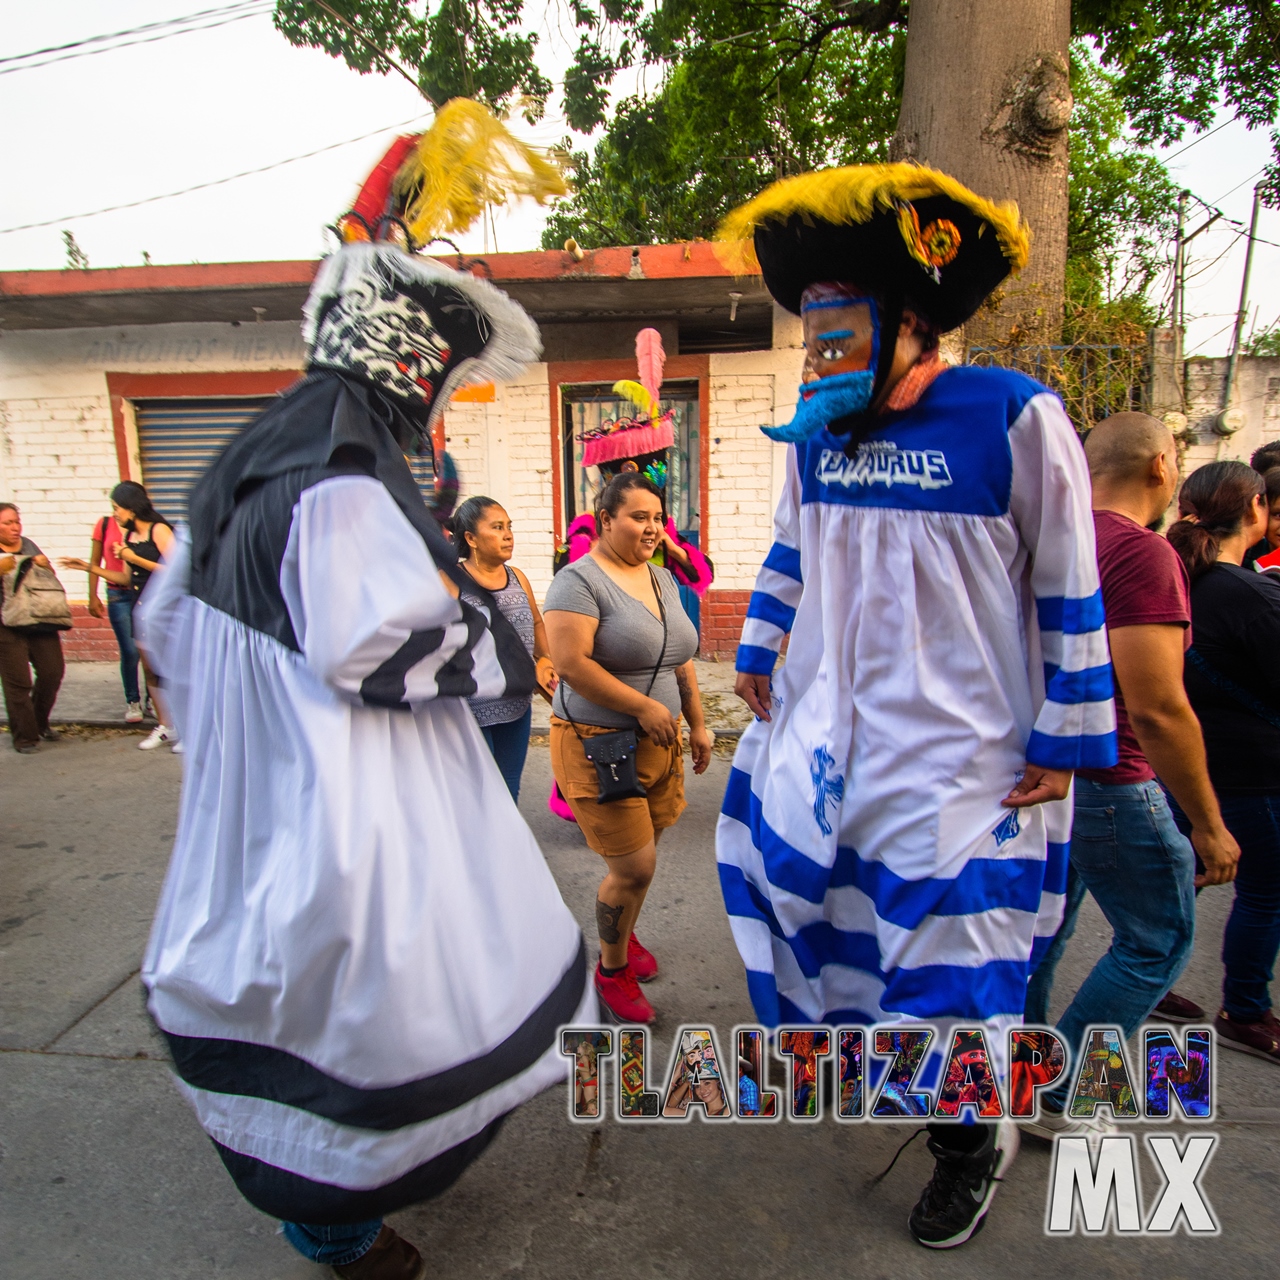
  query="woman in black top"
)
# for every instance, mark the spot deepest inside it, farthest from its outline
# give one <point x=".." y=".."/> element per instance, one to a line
<point x="1232" y="676"/>
<point x="148" y="537"/>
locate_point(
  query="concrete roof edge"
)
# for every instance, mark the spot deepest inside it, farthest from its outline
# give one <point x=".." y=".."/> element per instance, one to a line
<point x="692" y="260"/>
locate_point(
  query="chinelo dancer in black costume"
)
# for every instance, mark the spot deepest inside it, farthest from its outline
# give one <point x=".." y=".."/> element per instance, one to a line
<point x="360" y="959"/>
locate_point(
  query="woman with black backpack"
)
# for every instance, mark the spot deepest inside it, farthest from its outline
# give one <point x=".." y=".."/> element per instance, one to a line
<point x="1233" y="681"/>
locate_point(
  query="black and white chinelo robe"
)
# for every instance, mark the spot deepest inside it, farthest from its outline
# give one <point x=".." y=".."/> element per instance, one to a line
<point x="360" y="959"/>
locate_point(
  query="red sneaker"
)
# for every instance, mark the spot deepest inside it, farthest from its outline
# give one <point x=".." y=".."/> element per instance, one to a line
<point x="1260" y="1038"/>
<point x="623" y="997"/>
<point x="1176" y="1008"/>
<point x="640" y="960"/>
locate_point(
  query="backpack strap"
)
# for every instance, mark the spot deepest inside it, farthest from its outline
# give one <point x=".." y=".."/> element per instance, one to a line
<point x="1228" y="686"/>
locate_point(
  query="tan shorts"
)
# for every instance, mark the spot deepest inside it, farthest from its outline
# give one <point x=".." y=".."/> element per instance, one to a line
<point x="622" y="826"/>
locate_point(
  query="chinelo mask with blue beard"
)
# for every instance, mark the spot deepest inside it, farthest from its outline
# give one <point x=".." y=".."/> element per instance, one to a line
<point x="842" y="352"/>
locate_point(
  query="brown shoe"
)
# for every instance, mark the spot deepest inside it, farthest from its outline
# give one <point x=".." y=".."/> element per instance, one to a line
<point x="1261" y="1038"/>
<point x="1176" y="1008"/>
<point x="391" y="1258"/>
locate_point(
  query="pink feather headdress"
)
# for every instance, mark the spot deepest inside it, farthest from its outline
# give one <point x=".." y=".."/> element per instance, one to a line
<point x="648" y="431"/>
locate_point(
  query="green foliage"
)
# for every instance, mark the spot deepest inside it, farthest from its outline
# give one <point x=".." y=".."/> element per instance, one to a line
<point x="1165" y="65"/>
<point x="460" y="48"/>
<point x="730" y="117"/>
<point x="1264" y="342"/>
<point x="1178" y="60"/>
<point x="77" y="259"/>
<point x="1122" y="211"/>
<point x="753" y="90"/>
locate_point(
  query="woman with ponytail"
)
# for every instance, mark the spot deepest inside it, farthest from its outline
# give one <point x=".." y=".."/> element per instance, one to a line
<point x="148" y="537"/>
<point x="1233" y="681"/>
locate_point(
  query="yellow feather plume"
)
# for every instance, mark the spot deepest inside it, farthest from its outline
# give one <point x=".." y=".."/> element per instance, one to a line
<point x="467" y="160"/>
<point x="853" y="194"/>
<point x="638" y="395"/>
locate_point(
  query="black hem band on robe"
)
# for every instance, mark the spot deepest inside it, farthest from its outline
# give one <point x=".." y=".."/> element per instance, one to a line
<point x="260" y="1071"/>
<point x="293" y="1198"/>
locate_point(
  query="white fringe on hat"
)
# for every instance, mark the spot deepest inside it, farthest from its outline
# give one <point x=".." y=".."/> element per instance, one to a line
<point x="513" y="341"/>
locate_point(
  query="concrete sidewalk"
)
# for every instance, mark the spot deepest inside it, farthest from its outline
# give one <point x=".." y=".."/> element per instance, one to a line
<point x="106" y="1176"/>
<point x="91" y="694"/>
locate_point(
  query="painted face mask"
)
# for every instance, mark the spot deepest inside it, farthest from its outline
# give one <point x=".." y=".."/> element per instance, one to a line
<point x="842" y="349"/>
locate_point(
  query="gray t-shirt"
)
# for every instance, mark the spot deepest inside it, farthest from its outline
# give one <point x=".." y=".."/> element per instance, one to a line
<point x="628" y="639"/>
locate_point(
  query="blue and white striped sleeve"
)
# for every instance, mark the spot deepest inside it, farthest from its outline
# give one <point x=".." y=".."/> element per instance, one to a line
<point x="772" y="608"/>
<point x="1051" y="504"/>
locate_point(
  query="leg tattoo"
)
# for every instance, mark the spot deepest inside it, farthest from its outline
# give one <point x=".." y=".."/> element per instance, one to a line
<point x="607" y="919"/>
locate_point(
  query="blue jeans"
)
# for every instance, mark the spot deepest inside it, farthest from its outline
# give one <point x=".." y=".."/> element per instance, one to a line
<point x="120" y="612"/>
<point x="509" y="744"/>
<point x="333" y="1246"/>
<point x="1040" y="987"/>
<point x="1128" y="852"/>
<point x="1252" y="936"/>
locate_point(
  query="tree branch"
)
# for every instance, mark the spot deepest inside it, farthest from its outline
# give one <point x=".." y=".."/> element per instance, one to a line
<point x="368" y="44"/>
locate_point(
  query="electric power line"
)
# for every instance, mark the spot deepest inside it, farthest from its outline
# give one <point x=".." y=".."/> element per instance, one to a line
<point x="206" y="20"/>
<point x="201" y="186"/>
<point x="130" y="31"/>
<point x="1195" y="142"/>
<point x="1236" y="188"/>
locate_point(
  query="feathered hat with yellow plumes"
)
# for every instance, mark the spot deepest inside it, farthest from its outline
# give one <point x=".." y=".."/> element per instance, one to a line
<point x="899" y="231"/>
<point x="413" y="328"/>
<point x="439" y="182"/>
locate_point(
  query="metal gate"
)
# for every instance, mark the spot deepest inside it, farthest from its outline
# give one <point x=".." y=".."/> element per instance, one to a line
<point x="178" y="439"/>
<point x="587" y="405"/>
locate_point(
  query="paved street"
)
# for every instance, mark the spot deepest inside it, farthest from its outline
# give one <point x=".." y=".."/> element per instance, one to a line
<point x="106" y="1175"/>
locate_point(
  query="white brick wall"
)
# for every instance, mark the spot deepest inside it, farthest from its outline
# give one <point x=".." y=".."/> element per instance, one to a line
<point x="745" y="469"/>
<point x="58" y="457"/>
<point x="58" y="463"/>
<point x="503" y="450"/>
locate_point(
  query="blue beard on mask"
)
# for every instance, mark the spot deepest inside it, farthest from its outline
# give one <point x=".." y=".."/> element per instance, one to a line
<point x="824" y="401"/>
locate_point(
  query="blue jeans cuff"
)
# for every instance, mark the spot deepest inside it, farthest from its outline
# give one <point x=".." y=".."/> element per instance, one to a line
<point x="332" y="1246"/>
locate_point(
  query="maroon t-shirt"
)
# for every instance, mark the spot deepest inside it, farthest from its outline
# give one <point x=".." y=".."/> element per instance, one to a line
<point x="1143" y="581"/>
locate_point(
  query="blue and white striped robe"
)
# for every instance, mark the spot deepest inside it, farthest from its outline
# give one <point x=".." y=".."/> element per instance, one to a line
<point x="941" y="594"/>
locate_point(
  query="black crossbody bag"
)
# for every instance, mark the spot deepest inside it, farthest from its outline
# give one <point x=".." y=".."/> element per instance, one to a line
<point x="614" y="754"/>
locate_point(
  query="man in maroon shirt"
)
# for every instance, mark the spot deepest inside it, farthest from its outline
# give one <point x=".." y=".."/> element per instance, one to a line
<point x="1125" y="848"/>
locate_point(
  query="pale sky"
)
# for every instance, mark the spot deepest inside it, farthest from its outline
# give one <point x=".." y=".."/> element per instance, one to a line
<point x="119" y="126"/>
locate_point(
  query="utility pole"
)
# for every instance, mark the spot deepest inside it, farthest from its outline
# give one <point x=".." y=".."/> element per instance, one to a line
<point x="1231" y="420"/>
<point x="1179" y="269"/>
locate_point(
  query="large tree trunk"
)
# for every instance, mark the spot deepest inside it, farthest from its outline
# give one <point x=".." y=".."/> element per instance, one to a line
<point x="987" y="98"/>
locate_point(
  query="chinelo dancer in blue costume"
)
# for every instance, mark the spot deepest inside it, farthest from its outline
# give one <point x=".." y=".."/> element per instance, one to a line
<point x="893" y="841"/>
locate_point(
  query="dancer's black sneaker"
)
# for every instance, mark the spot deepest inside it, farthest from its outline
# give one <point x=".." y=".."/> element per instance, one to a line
<point x="952" y="1207"/>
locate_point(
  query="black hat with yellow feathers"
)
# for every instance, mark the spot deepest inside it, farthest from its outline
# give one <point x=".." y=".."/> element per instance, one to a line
<point x="895" y="230"/>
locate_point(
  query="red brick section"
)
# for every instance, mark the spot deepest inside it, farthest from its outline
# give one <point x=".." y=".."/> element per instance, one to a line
<point x="90" y="639"/>
<point x="723" y="613"/>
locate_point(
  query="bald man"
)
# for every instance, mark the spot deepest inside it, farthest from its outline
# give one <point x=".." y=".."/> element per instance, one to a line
<point x="1125" y="848"/>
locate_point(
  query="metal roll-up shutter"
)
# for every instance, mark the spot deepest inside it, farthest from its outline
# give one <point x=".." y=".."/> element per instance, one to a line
<point x="180" y="438"/>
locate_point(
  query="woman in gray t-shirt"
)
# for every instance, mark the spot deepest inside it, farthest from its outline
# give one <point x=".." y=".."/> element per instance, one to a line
<point x="623" y="648"/>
